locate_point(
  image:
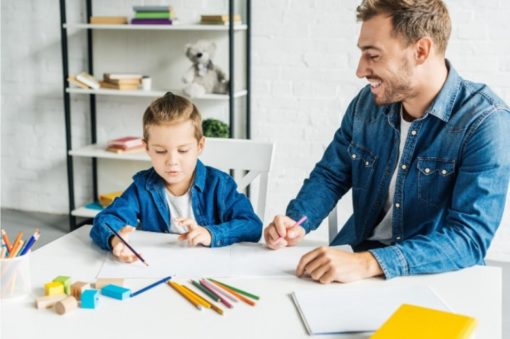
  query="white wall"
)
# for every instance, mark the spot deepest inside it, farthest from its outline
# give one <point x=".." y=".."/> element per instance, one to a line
<point x="304" y="59"/>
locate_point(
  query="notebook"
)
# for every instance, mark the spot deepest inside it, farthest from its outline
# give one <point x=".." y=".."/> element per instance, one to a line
<point x="411" y="321"/>
<point x="337" y="308"/>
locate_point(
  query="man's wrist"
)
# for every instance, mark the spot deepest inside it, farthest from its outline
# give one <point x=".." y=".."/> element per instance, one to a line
<point x="371" y="265"/>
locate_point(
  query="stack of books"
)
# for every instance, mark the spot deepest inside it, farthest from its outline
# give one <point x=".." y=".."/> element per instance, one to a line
<point x="153" y="15"/>
<point x="121" y="81"/>
<point x="219" y="19"/>
<point x="108" y="20"/>
<point x="125" y="145"/>
<point x="83" y="80"/>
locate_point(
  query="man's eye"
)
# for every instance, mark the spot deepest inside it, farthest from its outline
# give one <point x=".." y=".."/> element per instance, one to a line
<point x="373" y="57"/>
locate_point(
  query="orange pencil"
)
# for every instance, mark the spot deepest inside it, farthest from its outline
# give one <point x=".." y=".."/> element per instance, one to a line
<point x="179" y="290"/>
<point x="211" y="305"/>
<point x="243" y="298"/>
<point x="17" y="240"/>
<point x="16" y="249"/>
<point x="6" y="240"/>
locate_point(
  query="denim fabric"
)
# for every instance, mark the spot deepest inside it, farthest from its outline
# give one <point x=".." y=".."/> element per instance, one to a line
<point x="451" y="183"/>
<point x="224" y="212"/>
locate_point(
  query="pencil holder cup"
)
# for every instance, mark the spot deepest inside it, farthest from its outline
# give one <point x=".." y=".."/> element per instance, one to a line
<point x="15" y="277"/>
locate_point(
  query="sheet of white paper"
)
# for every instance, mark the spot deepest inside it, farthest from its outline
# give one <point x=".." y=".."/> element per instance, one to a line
<point x="168" y="256"/>
<point x="343" y="309"/>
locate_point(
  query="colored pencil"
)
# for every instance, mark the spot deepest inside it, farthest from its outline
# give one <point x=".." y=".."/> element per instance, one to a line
<point x="179" y="290"/>
<point x="199" y="297"/>
<point x="4" y="250"/>
<point x="249" y="295"/>
<point x="150" y="286"/>
<point x="30" y="242"/>
<point x="6" y="240"/>
<point x="201" y="300"/>
<point x="17" y="240"/>
<point x="237" y="295"/>
<point x="126" y="243"/>
<point x="205" y="291"/>
<point x="217" y="293"/>
<point x="16" y="249"/>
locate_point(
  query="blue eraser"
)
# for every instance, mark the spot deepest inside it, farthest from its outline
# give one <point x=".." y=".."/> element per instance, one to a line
<point x="116" y="292"/>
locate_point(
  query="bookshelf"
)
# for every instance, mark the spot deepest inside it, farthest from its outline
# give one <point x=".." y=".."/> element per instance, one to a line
<point x="95" y="151"/>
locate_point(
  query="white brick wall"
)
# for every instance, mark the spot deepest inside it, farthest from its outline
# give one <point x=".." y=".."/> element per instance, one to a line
<point x="304" y="59"/>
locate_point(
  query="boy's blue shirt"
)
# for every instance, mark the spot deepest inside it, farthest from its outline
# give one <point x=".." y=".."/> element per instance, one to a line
<point x="450" y="193"/>
<point x="227" y="214"/>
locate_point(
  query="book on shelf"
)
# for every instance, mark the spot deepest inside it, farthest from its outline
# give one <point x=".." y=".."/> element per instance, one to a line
<point x="152" y="8"/>
<point x="105" y="199"/>
<point x="88" y="80"/>
<point x="119" y="149"/>
<point x="108" y="20"/>
<point x="126" y="142"/>
<point x="411" y="321"/>
<point x="73" y="81"/>
<point x="151" y="21"/>
<point x="119" y="76"/>
<point x="153" y="15"/>
<point x="119" y="86"/>
<point x="219" y="19"/>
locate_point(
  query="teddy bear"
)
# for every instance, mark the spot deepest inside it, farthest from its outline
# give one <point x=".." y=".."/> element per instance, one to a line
<point x="203" y="76"/>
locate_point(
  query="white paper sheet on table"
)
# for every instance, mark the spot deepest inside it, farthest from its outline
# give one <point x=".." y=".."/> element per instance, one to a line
<point x="167" y="256"/>
<point x="345" y="309"/>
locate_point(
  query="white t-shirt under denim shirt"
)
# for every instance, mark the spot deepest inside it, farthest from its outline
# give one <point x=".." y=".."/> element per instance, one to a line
<point x="180" y="207"/>
<point x="383" y="232"/>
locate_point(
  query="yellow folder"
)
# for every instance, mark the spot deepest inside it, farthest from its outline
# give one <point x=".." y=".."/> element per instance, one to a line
<point x="416" y="322"/>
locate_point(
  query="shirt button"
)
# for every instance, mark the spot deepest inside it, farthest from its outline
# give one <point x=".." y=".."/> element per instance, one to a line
<point x="354" y="156"/>
<point x="366" y="163"/>
<point x="398" y="238"/>
<point x="397" y="205"/>
<point x="404" y="167"/>
<point x="413" y="132"/>
<point x="427" y="170"/>
<point x="443" y="172"/>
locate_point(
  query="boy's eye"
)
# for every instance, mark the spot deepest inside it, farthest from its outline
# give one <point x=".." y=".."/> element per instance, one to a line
<point x="183" y="150"/>
<point x="158" y="151"/>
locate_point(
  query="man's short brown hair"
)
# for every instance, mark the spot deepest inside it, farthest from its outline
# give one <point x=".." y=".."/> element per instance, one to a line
<point x="171" y="108"/>
<point x="412" y="19"/>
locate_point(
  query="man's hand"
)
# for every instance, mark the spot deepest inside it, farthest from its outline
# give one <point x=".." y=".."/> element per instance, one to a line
<point x="196" y="235"/>
<point x="120" y="251"/>
<point x="325" y="264"/>
<point x="282" y="232"/>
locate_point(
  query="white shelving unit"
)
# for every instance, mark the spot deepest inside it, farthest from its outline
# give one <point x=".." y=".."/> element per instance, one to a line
<point x="96" y="152"/>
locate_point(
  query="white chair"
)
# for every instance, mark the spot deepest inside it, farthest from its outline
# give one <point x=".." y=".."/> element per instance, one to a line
<point x="339" y="215"/>
<point x="254" y="157"/>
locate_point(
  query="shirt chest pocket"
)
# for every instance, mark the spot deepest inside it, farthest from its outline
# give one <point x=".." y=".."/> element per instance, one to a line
<point x="363" y="161"/>
<point x="435" y="180"/>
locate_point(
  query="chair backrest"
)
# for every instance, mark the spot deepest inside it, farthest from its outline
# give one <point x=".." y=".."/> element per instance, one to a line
<point x="339" y="215"/>
<point x="253" y="157"/>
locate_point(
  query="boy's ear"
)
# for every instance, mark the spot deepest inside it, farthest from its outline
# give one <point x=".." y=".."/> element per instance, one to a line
<point x="201" y="144"/>
<point x="146" y="144"/>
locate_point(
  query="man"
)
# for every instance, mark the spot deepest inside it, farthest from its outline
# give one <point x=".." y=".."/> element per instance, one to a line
<point x="425" y="153"/>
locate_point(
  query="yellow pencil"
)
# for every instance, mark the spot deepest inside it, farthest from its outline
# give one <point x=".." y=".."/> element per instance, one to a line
<point x="200" y="298"/>
<point x="179" y="290"/>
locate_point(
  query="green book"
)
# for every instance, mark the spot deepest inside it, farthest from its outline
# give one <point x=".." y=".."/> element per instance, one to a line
<point x="152" y="15"/>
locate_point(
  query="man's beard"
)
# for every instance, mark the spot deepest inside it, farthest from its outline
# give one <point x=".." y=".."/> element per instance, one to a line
<point x="398" y="88"/>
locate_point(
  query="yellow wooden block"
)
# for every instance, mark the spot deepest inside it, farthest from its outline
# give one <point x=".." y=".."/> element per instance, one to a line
<point x="54" y="288"/>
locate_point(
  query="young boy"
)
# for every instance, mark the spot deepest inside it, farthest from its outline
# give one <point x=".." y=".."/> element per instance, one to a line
<point x="179" y="194"/>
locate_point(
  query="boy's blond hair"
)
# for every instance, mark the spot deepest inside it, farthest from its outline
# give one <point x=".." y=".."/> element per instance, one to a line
<point x="169" y="109"/>
<point x="412" y="19"/>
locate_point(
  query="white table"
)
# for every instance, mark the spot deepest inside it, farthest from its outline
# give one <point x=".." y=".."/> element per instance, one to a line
<point x="162" y="313"/>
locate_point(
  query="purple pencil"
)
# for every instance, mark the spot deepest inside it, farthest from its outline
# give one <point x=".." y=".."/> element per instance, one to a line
<point x="219" y="293"/>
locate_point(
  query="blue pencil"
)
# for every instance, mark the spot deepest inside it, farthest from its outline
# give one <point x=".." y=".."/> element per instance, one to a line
<point x="30" y="243"/>
<point x="164" y="280"/>
<point x="126" y="243"/>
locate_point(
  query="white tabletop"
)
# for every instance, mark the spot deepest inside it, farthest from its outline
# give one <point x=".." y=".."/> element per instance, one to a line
<point x="162" y="313"/>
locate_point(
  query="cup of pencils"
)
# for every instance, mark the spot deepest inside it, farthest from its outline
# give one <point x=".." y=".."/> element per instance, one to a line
<point x="15" y="267"/>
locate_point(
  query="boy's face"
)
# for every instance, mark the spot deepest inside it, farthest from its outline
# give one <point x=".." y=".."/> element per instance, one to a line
<point x="385" y="61"/>
<point x="174" y="151"/>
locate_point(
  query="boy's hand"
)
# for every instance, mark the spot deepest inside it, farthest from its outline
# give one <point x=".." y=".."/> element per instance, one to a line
<point x="282" y="232"/>
<point x="121" y="251"/>
<point x="196" y="235"/>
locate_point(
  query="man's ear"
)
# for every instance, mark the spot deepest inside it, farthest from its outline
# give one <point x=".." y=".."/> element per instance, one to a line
<point x="201" y="144"/>
<point x="422" y="49"/>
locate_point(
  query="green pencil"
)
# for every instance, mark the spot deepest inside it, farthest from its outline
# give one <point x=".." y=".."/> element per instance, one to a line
<point x="205" y="291"/>
<point x="249" y="295"/>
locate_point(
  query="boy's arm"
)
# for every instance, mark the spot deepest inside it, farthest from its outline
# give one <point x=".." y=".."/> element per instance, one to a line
<point x="240" y="221"/>
<point x="123" y="211"/>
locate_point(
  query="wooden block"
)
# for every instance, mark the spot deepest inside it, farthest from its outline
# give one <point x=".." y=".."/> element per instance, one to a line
<point x="66" y="305"/>
<point x="100" y="283"/>
<point x="78" y="287"/>
<point x="66" y="281"/>
<point x="53" y="288"/>
<point x="48" y="301"/>
<point x="89" y="298"/>
<point x="116" y="292"/>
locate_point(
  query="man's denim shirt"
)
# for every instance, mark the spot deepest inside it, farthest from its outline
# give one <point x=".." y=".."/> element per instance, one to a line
<point x="451" y="183"/>
<point x="227" y="214"/>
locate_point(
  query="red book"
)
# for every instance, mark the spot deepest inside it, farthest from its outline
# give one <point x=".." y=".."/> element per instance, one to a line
<point x="126" y="142"/>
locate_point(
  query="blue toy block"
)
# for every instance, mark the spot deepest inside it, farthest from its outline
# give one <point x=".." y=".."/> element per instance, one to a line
<point x="116" y="292"/>
<point x="89" y="299"/>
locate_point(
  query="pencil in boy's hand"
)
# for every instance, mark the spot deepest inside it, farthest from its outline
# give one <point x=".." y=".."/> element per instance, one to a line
<point x="126" y="243"/>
